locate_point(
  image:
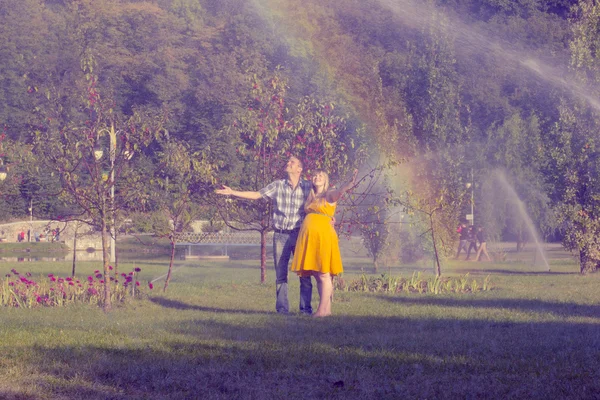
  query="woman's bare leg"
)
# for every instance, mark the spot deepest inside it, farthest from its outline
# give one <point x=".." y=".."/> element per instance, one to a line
<point x="478" y="255"/>
<point x="319" y="289"/>
<point x="486" y="252"/>
<point x="325" y="292"/>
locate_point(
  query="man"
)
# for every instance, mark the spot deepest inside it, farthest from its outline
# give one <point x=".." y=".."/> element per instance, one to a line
<point x="288" y="196"/>
<point x="472" y="239"/>
<point x="462" y="244"/>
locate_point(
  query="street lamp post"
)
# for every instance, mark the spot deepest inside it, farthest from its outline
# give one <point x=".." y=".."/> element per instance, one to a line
<point x="3" y="175"/>
<point x="113" y="233"/>
<point x="112" y="153"/>
<point x="472" y="199"/>
<point x="3" y="170"/>
<point x="30" y="219"/>
<point x="471" y="185"/>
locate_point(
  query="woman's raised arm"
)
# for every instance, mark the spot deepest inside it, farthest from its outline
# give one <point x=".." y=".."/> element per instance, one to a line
<point x="334" y="195"/>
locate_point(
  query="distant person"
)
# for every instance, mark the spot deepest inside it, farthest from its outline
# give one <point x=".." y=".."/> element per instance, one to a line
<point x="288" y="197"/>
<point x="481" y="237"/>
<point x="317" y="249"/>
<point x="28" y="235"/>
<point x="463" y="242"/>
<point x="472" y="239"/>
<point x="36" y="236"/>
<point x="57" y="234"/>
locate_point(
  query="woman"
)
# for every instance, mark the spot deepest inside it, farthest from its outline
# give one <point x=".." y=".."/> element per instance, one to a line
<point x="317" y="250"/>
<point x="482" y="245"/>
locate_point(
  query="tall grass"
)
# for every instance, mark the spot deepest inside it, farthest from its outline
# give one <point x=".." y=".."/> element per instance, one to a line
<point x="415" y="284"/>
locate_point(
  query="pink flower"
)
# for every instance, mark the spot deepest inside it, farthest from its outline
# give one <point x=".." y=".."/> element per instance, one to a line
<point x="71" y="284"/>
<point x="96" y="271"/>
<point x="98" y="276"/>
<point x="137" y="283"/>
<point x="68" y="279"/>
<point x="150" y="285"/>
<point x="110" y="267"/>
<point x="137" y="269"/>
<point x="53" y="279"/>
<point x="50" y="275"/>
<point x="90" y="278"/>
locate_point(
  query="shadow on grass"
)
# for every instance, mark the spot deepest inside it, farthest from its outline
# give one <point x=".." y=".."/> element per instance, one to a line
<point x="362" y="357"/>
<point x="564" y="309"/>
<point x="179" y="305"/>
<point x="12" y="395"/>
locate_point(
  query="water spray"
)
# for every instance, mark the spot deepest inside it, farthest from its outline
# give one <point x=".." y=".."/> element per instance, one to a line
<point x="165" y="275"/>
<point x="415" y="14"/>
<point x="523" y="212"/>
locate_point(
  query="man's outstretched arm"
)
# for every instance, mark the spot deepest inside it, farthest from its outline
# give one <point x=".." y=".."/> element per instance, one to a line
<point x="227" y="191"/>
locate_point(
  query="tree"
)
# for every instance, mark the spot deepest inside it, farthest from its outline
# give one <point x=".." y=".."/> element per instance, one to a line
<point x="181" y="176"/>
<point x="268" y="134"/>
<point x="374" y="226"/>
<point x="71" y="148"/>
<point x="573" y="165"/>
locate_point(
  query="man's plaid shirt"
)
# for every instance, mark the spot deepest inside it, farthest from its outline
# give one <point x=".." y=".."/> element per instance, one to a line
<point x="288" y="204"/>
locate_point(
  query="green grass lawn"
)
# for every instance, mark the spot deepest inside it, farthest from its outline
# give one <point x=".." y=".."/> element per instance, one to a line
<point x="214" y="335"/>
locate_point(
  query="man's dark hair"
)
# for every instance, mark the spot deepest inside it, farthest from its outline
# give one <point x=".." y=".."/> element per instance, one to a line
<point x="299" y="160"/>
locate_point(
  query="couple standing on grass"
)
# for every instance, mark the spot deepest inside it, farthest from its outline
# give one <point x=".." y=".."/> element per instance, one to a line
<point x="312" y="240"/>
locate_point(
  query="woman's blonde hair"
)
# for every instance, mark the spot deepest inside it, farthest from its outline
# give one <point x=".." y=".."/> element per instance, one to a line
<point x="313" y="196"/>
<point x="325" y="185"/>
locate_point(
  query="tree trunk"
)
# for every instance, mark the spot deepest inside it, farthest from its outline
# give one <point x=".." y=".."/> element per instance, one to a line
<point x="375" y="265"/>
<point x="170" y="266"/>
<point x="74" y="251"/>
<point x="105" y="259"/>
<point x="519" y="241"/>
<point x="587" y="264"/>
<point x="116" y="266"/>
<point x="438" y="271"/>
<point x="263" y="256"/>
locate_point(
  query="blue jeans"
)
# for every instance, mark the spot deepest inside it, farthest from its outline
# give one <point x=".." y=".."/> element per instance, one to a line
<point x="462" y="244"/>
<point x="283" y="248"/>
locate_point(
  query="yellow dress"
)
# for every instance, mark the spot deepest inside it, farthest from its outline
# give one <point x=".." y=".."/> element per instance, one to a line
<point x="317" y="248"/>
